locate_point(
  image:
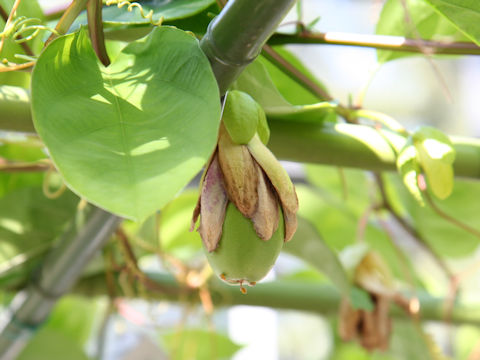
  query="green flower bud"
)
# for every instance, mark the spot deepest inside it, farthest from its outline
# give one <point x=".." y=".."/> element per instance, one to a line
<point x="243" y="117"/>
<point x="247" y="209"/>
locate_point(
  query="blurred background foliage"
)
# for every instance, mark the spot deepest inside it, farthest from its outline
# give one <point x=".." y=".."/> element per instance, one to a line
<point x="337" y="208"/>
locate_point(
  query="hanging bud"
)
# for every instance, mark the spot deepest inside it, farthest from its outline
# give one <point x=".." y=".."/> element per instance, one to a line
<point x="247" y="205"/>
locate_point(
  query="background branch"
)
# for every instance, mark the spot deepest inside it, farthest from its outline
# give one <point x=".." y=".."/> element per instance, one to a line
<point x="383" y="42"/>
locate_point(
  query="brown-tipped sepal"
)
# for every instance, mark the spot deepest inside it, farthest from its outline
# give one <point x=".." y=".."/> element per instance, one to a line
<point x="212" y="206"/>
<point x="266" y="217"/>
<point x="280" y="181"/>
<point x="239" y="173"/>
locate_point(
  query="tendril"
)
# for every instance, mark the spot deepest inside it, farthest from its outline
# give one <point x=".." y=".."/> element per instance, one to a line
<point x="131" y="6"/>
<point x="22" y="25"/>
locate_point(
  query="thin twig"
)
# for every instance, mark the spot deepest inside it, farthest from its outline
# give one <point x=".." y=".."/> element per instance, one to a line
<point x="16" y="67"/>
<point x="382" y="42"/>
<point x="291" y="71"/>
<point x="450" y="218"/>
<point x="9" y="166"/>
<point x="426" y="52"/>
<point x="296" y="75"/>
<point x="132" y="266"/>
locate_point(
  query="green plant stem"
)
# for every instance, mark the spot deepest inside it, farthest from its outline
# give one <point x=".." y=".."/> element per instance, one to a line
<point x="343" y="145"/>
<point x="357" y="146"/>
<point x="281" y="294"/>
<point x="383" y="42"/>
<point x="230" y="51"/>
<point x="68" y="17"/>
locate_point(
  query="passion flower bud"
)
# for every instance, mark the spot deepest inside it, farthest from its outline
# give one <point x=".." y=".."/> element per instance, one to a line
<point x="247" y="208"/>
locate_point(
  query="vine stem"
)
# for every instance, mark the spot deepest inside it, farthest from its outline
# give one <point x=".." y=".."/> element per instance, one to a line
<point x="382" y="42"/>
<point x="16" y="67"/>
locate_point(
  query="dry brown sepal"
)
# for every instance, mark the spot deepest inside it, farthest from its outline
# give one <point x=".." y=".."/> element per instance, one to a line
<point x="370" y="328"/>
<point x="252" y="179"/>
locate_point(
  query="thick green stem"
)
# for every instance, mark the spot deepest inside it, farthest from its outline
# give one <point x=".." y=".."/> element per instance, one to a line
<point x="358" y="146"/>
<point x="281" y="294"/>
<point x="235" y="37"/>
<point x="343" y="145"/>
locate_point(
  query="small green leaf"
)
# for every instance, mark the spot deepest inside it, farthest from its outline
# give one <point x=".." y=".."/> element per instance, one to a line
<point x="241" y="116"/>
<point x="199" y="345"/>
<point x="409" y="168"/>
<point x="464" y="14"/>
<point x="308" y="245"/>
<point x="131" y="136"/>
<point x="436" y="156"/>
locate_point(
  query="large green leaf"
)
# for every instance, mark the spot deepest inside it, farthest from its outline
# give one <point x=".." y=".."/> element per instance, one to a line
<point x="166" y="9"/>
<point x="446" y="238"/>
<point x="423" y="21"/>
<point x="130" y="136"/>
<point x="464" y="14"/>
<point x="52" y="345"/>
<point x="124" y="25"/>
<point x="338" y="225"/>
<point x="29" y="222"/>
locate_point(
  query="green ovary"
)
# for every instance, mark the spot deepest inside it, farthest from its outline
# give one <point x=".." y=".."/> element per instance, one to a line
<point x="241" y="256"/>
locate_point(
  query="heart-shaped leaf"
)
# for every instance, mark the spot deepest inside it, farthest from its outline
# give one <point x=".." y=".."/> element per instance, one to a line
<point x="130" y="136"/>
